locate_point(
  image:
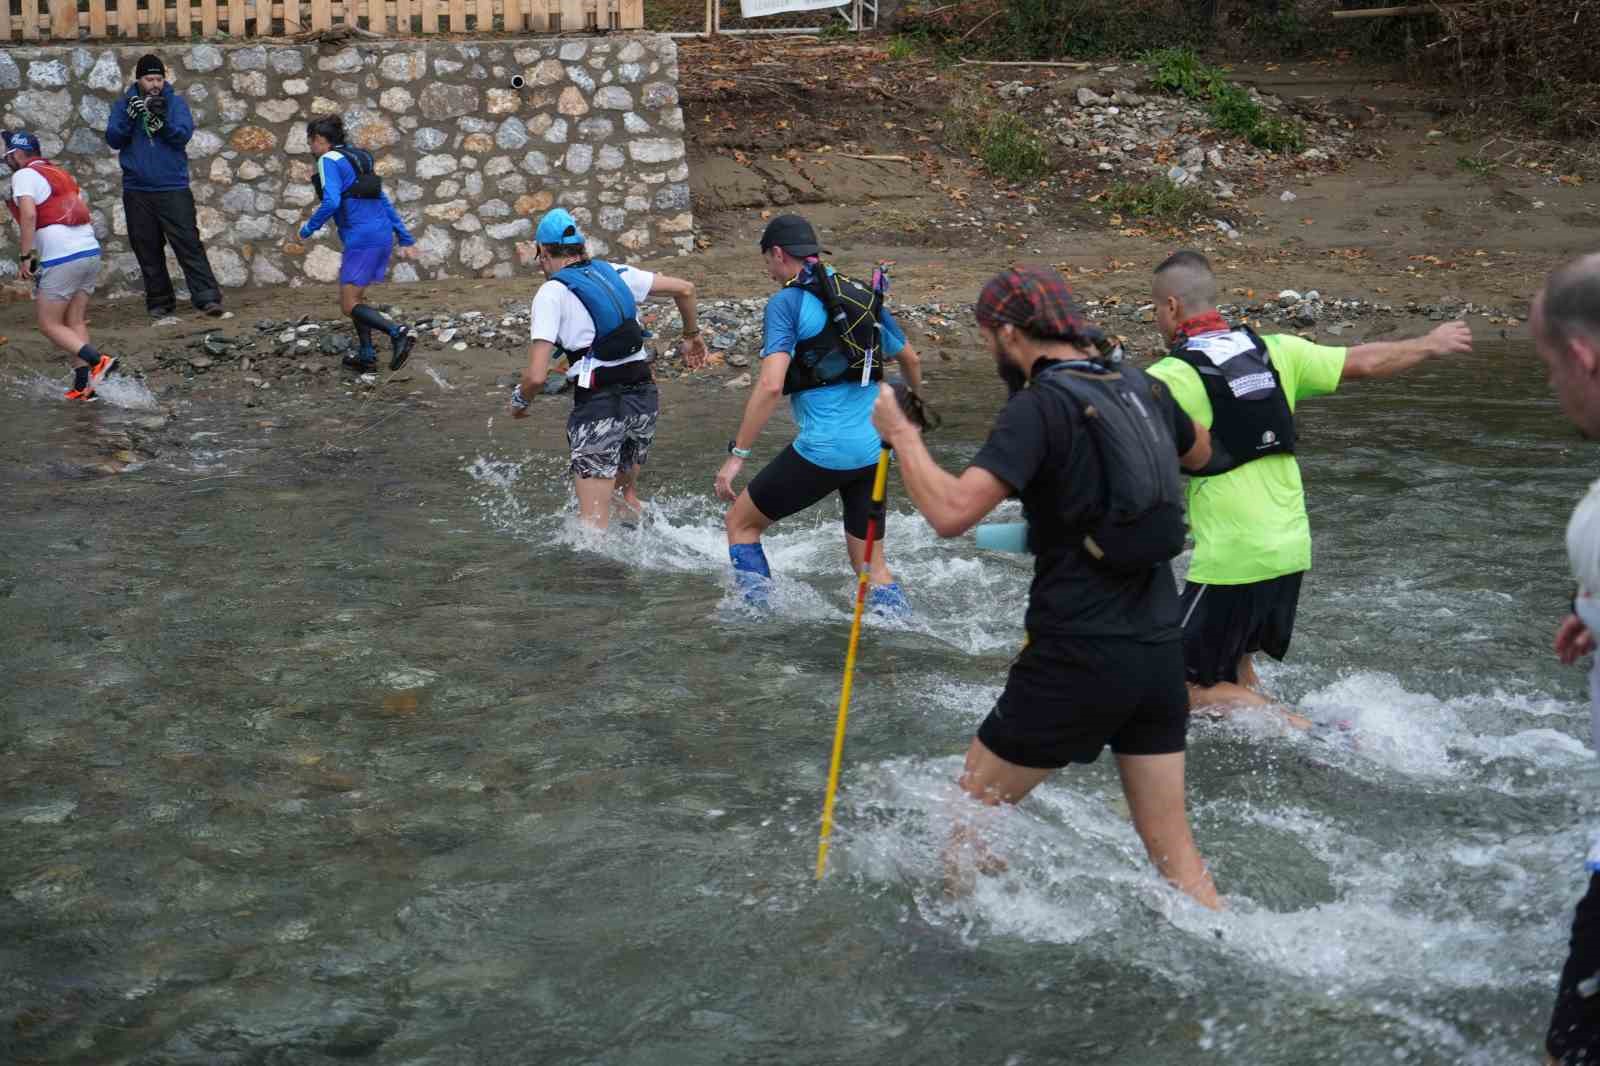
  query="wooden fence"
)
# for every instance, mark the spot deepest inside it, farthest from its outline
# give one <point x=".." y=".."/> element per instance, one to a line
<point x="68" y="20"/>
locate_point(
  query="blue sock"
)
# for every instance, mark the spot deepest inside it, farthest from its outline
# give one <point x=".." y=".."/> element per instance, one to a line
<point x="751" y="572"/>
<point x="888" y="599"/>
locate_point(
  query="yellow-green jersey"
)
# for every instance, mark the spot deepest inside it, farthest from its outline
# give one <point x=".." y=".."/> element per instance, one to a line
<point x="1250" y="524"/>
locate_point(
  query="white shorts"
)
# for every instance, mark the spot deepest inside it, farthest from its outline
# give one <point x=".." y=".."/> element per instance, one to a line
<point x="63" y="281"/>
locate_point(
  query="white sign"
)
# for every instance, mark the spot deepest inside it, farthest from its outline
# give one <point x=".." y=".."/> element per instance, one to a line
<point x="756" y="8"/>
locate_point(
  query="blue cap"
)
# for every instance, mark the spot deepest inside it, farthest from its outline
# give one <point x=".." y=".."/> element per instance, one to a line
<point x="22" y="141"/>
<point x="558" y="227"/>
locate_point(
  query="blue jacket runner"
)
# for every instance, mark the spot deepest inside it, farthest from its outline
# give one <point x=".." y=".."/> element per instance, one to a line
<point x="361" y="223"/>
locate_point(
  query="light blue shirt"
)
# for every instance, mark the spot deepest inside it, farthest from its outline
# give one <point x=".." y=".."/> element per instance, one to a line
<point x="836" y="420"/>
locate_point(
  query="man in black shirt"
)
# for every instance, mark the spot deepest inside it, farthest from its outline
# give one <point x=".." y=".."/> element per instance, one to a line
<point x="1103" y="663"/>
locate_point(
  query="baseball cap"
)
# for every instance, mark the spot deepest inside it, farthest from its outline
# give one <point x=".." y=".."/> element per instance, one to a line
<point x="558" y="227"/>
<point x="21" y="141"/>
<point x="793" y="234"/>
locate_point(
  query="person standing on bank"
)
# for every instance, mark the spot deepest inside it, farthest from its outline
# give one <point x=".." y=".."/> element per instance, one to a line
<point x="1092" y="446"/>
<point x="1247" y="505"/>
<point x="352" y="195"/>
<point x="150" y="127"/>
<point x="1565" y="323"/>
<point x="825" y="371"/>
<point x="587" y="314"/>
<point x="58" y="253"/>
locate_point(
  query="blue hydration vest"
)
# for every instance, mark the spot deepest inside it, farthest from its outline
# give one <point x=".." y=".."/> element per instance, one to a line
<point x="603" y="293"/>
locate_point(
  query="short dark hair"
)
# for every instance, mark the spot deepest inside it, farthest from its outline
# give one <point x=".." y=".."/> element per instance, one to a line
<point x="1185" y="258"/>
<point x="1572" y="300"/>
<point x="563" y="250"/>
<point x="329" y="127"/>
<point x="1191" y="280"/>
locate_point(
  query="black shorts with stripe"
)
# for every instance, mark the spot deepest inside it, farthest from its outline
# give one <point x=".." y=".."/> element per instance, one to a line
<point x="1224" y="623"/>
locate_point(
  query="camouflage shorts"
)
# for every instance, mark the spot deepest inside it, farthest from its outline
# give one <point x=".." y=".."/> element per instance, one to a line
<point x="611" y="431"/>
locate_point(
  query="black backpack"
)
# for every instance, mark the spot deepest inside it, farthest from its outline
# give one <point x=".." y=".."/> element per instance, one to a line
<point x="1141" y="523"/>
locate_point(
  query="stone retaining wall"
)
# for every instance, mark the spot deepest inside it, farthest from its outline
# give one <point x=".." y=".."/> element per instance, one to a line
<point x="469" y="161"/>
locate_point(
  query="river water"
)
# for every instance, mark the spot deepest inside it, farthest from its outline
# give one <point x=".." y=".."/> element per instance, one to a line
<point x="327" y="736"/>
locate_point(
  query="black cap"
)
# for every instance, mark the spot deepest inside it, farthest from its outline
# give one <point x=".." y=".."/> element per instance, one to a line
<point x="793" y="234"/>
<point x="150" y="64"/>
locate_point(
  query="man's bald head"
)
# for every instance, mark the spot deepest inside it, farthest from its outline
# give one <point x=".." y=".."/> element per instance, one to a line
<point x="1184" y="287"/>
<point x="1566" y="331"/>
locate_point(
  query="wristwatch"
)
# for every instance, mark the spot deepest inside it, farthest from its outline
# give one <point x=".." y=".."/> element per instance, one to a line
<point x="736" y="451"/>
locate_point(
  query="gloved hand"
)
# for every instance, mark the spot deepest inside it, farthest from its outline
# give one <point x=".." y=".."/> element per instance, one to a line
<point x="137" y="106"/>
<point x="157" y="105"/>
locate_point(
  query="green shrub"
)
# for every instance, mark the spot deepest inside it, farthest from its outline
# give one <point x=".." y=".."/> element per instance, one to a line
<point x="1181" y="71"/>
<point x="1159" y="199"/>
<point x="1011" y="149"/>
<point x="902" y="47"/>
<point x="1278" y="135"/>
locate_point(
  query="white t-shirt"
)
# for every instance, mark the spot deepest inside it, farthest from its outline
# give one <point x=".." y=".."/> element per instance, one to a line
<point x="55" y="244"/>
<point x="558" y="316"/>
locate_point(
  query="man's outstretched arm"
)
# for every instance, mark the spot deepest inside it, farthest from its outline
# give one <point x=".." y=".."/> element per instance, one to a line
<point x="952" y="505"/>
<point x="1385" y="359"/>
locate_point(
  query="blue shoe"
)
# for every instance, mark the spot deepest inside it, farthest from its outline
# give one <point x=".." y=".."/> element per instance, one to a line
<point x="889" y="601"/>
<point x="751" y="573"/>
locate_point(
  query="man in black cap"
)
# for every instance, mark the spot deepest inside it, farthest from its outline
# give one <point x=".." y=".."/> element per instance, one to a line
<point x="150" y="127"/>
<point x="825" y="342"/>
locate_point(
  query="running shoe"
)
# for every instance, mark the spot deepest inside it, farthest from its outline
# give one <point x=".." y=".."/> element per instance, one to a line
<point x="361" y="364"/>
<point x="403" y="342"/>
<point x="84" y="395"/>
<point x="213" y="309"/>
<point x="101" y="370"/>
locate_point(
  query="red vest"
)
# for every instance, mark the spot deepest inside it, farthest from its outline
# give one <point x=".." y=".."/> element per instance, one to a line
<point x="65" y="206"/>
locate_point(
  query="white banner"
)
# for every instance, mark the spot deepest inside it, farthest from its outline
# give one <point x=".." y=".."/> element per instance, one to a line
<point x="756" y="8"/>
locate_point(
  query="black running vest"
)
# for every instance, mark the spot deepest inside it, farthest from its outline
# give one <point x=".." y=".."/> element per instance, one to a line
<point x="367" y="186"/>
<point x="847" y="349"/>
<point x="1250" y="415"/>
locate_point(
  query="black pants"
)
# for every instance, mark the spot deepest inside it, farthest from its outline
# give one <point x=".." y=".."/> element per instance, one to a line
<point x="158" y="218"/>
<point x="1574" y="1035"/>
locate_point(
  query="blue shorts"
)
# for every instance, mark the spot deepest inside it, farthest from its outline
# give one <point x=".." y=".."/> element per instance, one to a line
<point x="364" y="266"/>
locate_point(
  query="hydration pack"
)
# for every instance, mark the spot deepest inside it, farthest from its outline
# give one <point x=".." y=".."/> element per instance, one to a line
<point x="603" y="293"/>
<point x="1141" y="524"/>
<point x="367" y="186"/>
<point x="847" y="349"/>
<point x="1250" y="416"/>
<point x="65" y="207"/>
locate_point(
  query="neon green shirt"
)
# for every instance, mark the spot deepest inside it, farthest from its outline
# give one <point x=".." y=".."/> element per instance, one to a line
<point x="1250" y="524"/>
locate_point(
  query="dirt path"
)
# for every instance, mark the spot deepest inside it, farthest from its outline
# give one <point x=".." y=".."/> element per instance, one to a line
<point x="1402" y="218"/>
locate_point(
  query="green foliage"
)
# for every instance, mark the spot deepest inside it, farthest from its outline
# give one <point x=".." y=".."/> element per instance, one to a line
<point x="1473" y="165"/>
<point x="1011" y="149"/>
<point x="1047" y="29"/>
<point x="1159" y="199"/>
<point x="1181" y="71"/>
<point x="902" y="47"/>
<point x="1002" y="139"/>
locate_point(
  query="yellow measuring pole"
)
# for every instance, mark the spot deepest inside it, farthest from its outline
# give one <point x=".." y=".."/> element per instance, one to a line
<point x="880" y="485"/>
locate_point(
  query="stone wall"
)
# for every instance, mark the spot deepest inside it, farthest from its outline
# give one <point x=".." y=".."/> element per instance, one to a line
<point x="469" y="161"/>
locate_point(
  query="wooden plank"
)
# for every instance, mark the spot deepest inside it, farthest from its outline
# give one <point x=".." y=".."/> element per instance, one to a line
<point x="511" y="16"/>
<point x="127" y="17"/>
<point x="290" y="13"/>
<point x="430" y="16"/>
<point x="402" y="18"/>
<point x="208" y="18"/>
<point x="63" y="19"/>
<point x="321" y="15"/>
<point x="571" y="16"/>
<point x="1382" y="12"/>
<point x="5" y="21"/>
<point x="30" y="20"/>
<point x="633" y="14"/>
<point x="96" y="19"/>
<point x="485" y="15"/>
<point x="156" y="18"/>
<point x="236" y="26"/>
<point x="458" y="16"/>
<point x="182" y="18"/>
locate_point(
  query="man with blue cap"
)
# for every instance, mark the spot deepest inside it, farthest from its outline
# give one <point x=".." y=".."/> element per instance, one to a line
<point x="58" y="253"/>
<point x="826" y="339"/>
<point x="587" y="314"/>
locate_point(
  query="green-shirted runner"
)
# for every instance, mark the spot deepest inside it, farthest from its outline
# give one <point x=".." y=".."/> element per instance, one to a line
<point x="1247" y="507"/>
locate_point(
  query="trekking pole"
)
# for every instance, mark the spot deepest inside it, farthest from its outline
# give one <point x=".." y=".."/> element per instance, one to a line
<point x="880" y="484"/>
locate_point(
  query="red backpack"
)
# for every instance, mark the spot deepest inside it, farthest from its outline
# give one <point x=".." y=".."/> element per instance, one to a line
<point x="65" y="207"/>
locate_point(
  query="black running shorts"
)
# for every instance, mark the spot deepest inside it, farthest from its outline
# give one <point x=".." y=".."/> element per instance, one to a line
<point x="1224" y="623"/>
<point x="1574" y="1035"/>
<point x="1066" y="698"/>
<point x="791" y="483"/>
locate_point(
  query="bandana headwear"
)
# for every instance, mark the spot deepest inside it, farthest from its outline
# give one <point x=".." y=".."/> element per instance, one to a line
<point x="150" y="64"/>
<point x="1038" y="302"/>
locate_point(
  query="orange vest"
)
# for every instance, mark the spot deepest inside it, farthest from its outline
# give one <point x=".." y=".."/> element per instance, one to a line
<point x="65" y="207"/>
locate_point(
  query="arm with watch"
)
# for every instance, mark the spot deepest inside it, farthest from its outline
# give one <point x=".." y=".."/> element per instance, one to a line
<point x="533" y="378"/>
<point x="763" y="401"/>
<point x="682" y="293"/>
<point x="27" y="222"/>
